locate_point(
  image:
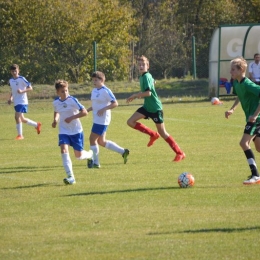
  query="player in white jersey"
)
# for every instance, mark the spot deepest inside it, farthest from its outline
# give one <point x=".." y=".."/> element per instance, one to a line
<point x="254" y="69"/>
<point x="19" y="88"/>
<point x="67" y="111"/>
<point x="102" y="101"/>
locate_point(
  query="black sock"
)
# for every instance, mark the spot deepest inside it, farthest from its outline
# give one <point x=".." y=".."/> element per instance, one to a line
<point x="251" y="161"/>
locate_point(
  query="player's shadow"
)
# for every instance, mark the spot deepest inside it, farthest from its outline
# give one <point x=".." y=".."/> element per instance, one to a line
<point x="210" y="230"/>
<point x="21" y="169"/>
<point x="121" y="191"/>
<point x="29" y="186"/>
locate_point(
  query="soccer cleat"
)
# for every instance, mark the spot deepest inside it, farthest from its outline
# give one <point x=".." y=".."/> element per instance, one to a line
<point x="179" y="157"/>
<point x="125" y="155"/>
<point x="153" y="139"/>
<point x="90" y="163"/>
<point x="19" y="137"/>
<point x="69" y="181"/>
<point x="252" y="180"/>
<point x="38" y="127"/>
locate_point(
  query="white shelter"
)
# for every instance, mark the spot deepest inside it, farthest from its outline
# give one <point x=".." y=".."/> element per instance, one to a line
<point x="227" y="43"/>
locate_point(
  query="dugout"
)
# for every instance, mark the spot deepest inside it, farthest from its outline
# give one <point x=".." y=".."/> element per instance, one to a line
<point x="227" y="43"/>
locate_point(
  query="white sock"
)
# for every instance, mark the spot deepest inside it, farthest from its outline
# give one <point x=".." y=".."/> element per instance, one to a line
<point x="32" y="123"/>
<point x="95" y="149"/>
<point x="85" y="155"/>
<point x="67" y="164"/>
<point x="19" y="128"/>
<point x="114" y="147"/>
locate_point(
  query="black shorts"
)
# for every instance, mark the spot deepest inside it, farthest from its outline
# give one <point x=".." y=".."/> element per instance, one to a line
<point x="157" y="117"/>
<point x="252" y="128"/>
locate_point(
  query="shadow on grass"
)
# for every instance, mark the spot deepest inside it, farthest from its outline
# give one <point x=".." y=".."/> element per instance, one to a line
<point x="121" y="191"/>
<point x="210" y="230"/>
<point x="18" y="169"/>
<point x="29" y="186"/>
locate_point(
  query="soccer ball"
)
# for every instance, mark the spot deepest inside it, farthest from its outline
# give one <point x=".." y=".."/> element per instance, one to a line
<point x="186" y="180"/>
<point x="216" y="101"/>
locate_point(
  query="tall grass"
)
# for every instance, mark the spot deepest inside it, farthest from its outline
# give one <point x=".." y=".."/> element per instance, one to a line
<point x="132" y="211"/>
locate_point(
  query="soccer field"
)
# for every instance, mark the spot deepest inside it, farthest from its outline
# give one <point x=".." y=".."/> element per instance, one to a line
<point x="132" y="211"/>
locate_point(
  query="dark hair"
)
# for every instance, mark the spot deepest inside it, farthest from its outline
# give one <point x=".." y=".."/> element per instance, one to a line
<point x="60" y="83"/>
<point x="14" y="67"/>
<point x="99" y="75"/>
<point x="256" y="54"/>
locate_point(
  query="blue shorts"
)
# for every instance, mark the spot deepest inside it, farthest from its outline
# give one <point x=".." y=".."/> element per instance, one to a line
<point x="21" y="108"/>
<point x="99" y="129"/>
<point x="76" y="141"/>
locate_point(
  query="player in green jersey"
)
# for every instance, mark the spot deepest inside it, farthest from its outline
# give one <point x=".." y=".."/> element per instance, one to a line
<point x="248" y="94"/>
<point x="152" y="108"/>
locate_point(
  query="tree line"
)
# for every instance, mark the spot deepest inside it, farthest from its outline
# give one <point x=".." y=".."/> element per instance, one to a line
<point x="53" y="39"/>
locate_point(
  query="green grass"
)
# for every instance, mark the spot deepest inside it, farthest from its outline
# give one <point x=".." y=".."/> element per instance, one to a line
<point x="132" y="211"/>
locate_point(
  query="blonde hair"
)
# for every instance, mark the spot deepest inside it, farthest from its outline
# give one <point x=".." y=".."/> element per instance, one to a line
<point x="60" y="83"/>
<point x="240" y="63"/>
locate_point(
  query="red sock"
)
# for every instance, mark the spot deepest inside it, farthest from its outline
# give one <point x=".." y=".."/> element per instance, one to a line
<point x="144" y="129"/>
<point x="175" y="147"/>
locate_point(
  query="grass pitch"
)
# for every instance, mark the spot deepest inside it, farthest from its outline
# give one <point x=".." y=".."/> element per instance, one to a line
<point x="132" y="211"/>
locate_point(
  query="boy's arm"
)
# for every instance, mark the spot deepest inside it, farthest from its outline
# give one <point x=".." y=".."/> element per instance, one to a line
<point x="56" y="117"/>
<point x="10" y="99"/>
<point x="27" y="89"/>
<point x="232" y="109"/>
<point x="146" y="93"/>
<point x="255" y="115"/>
<point x="110" y="106"/>
<point x="89" y="109"/>
<point x="81" y="113"/>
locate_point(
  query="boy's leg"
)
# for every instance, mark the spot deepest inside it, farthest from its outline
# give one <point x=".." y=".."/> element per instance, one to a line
<point x="19" y="126"/>
<point x="244" y="143"/>
<point x="66" y="161"/>
<point x="180" y="155"/>
<point x="116" y="148"/>
<point x="95" y="150"/>
<point x="83" y="155"/>
<point x="132" y="122"/>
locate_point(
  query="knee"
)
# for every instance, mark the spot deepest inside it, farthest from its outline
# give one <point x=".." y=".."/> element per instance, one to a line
<point x="101" y="142"/>
<point x="131" y="123"/>
<point x="244" y="145"/>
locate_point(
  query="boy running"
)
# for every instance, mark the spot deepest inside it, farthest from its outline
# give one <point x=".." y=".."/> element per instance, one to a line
<point x="68" y="110"/>
<point x="102" y="101"/>
<point x="248" y="94"/>
<point x="152" y="108"/>
<point x="19" y="88"/>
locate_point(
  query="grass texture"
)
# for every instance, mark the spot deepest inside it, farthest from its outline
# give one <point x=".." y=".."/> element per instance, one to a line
<point x="132" y="211"/>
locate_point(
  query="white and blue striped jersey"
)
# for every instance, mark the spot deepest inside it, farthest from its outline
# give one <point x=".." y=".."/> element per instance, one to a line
<point x="100" y="98"/>
<point x="66" y="108"/>
<point x="19" y="83"/>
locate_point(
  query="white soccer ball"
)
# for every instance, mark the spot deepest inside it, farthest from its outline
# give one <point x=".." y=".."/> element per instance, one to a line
<point x="215" y="101"/>
<point x="186" y="180"/>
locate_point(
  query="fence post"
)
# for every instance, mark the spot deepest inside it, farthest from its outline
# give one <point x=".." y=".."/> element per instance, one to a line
<point x="194" y="58"/>
<point x="95" y="55"/>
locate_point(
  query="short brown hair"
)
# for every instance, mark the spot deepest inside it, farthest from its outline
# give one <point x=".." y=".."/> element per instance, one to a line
<point x="60" y="83"/>
<point x="240" y="63"/>
<point x="14" y="67"/>
<point x="99" y="75"/>
<point x="143" y="59"/>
